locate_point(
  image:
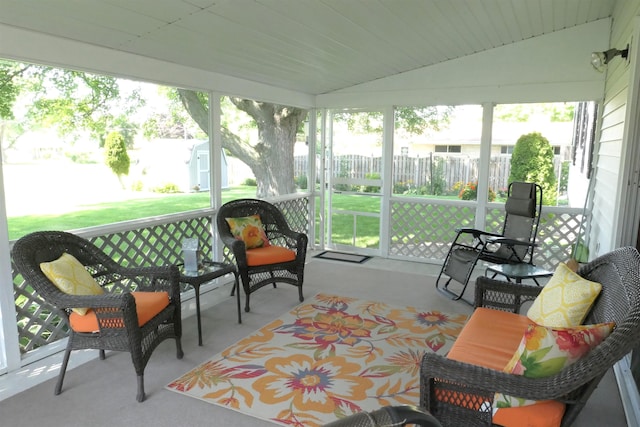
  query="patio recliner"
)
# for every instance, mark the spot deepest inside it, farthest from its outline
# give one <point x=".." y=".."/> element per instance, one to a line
<point x="515" y="244"/>
<point x="262" y="244"/>
<point x="104" y="305"/>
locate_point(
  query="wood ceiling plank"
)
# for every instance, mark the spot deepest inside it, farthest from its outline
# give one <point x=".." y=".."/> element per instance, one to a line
<point x="314" y="46"/>
<point x="163" y="10"/>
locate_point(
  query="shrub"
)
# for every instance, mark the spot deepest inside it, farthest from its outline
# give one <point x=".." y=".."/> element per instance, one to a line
<point x="167" y="188"/>
<point x="251" y="182"/>
<point x="301" y="182"/>
<point x="137" y="185"/>
<point x="369" y="188"/>
<point x="532" y="161"/>
<point x="438" y="182"/>
<point x="115" y="153"/>
<point x="470" y="192"/>
<point x="401" y="187"/>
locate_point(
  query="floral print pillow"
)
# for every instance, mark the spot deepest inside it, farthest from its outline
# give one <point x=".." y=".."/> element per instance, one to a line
<point x="250" y="230"/>
<point x="546" y="351"/>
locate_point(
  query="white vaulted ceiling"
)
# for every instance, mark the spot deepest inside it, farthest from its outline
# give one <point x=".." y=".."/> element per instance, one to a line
<point x="309" y="46"/>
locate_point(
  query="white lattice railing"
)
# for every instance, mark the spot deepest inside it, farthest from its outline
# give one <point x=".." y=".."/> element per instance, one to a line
<point x="422" y="229"/>
<point x="155" y="241"/>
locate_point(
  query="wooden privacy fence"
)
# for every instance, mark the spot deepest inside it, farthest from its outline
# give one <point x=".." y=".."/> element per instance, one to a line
<point x="417" y="172"/>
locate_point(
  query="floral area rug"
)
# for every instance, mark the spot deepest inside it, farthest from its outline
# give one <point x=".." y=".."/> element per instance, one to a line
<point x="327" y="358"/>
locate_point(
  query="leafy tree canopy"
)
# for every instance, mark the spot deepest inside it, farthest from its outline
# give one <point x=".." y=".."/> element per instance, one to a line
<point x="69" y="101"/>
<point x="260" y="134"/>
<point x="415" y="120"/>
<point x="524" y="112"/>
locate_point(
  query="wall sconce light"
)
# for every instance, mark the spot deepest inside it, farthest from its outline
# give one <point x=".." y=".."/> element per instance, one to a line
<point x="599" y="60"/>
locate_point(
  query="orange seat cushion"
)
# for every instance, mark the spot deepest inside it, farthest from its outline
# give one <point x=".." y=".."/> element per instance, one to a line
<point x="269" y="255"/>
<point x="148" y="305"/>
<point x="490" y="338"/>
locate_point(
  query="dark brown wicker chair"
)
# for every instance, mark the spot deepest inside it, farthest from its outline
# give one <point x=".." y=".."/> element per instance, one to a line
<point x="396" y="416"/>
<point x="115" y="310"/>
<point x="443" y="381"/>
<point x="278" y="232"/>
<point x="515" y="244"/>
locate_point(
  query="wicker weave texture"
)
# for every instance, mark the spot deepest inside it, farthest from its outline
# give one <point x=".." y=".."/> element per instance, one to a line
<point x="388" y="416"/>
<point x="278" y="232"/>
<point x="115" y="309"/>
<point x="462" y="394"/>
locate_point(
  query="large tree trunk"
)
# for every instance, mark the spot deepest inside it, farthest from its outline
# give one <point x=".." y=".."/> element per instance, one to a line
<point x="271" y="160"/>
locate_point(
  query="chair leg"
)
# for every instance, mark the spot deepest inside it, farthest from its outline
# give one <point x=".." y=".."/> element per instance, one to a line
<point x="179" y="352"/>
<point x="140" y="396"/>
<point x="454" y="272"/>
<point x="438" y="280"/>
<point x="246" y="303"/>
<point x="102" y="355"/>
<point x="300" y="296"/>
<point x="63" y="370"/>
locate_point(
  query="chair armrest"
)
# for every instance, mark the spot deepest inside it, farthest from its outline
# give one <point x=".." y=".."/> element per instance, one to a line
<point x="476" y="233"/>
<point x="227" y="239"/>
<point x="106" y="300"/>
<point x="439" y="374"/>
<point x="509" y="242"/>
<point x="239" y="249"/>
<point x="290" y="238"/>
<point x="502" y="295"/>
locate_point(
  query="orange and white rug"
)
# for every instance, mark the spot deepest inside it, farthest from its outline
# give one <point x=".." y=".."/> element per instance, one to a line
<point x="327" y="358"/>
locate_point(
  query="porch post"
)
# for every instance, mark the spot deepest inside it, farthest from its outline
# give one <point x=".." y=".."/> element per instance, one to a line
<point x="483" y="167"/>
<point x="9" y="341"/>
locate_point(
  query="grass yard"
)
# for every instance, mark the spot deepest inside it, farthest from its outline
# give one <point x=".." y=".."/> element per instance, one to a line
<point x="344" y="225"/>
<point x="112" y="212"/>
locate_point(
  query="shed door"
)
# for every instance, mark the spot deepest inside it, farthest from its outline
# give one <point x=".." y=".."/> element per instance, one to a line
<point x="203" y="170"/>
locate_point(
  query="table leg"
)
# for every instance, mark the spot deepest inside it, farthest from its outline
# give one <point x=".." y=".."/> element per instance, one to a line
<point x="196" y="288"/>
<point x="236" y="287"/>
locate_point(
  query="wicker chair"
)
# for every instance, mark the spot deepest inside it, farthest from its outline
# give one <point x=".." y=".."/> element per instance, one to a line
<point x="396" y="416"/>
<point x="256" y="276"/>
<point x="444" y="381"/>
<point x="115" y="309"/>
<point x="515" y="244"/>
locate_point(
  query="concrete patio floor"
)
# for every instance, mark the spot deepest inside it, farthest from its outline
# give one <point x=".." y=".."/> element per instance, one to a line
<point x="102" y="393"/>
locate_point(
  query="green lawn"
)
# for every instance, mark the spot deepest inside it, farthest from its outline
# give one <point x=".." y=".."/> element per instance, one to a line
<point x="367" y="229"/>
<point x="108" y="213"/>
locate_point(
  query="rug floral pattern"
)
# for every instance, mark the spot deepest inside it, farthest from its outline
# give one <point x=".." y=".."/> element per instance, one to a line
<point x="326" y="359"/>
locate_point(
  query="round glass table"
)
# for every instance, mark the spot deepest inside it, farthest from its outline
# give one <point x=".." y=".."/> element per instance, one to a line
<point x="518" y="272"/>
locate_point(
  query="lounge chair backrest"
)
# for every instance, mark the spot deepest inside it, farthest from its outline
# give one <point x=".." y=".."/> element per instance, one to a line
<point x="522" y="215"/>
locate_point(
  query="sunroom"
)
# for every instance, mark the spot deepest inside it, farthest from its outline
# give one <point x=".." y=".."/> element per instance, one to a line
<point x="349" y="76"/>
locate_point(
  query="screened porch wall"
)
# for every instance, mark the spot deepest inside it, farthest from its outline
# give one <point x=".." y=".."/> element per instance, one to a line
<point x="158" y="242"/>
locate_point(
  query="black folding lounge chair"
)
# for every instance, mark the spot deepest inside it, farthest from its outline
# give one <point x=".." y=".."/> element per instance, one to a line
<point x="514" y="245"/>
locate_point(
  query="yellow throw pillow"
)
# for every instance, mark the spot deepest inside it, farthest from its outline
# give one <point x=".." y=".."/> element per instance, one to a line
<point x="565" y="301"/>
<point x="70" y="276"/>
<point x="250" y="230"/>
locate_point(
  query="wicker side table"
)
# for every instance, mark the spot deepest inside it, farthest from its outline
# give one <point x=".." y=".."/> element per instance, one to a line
<point x="209" y="271"/>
